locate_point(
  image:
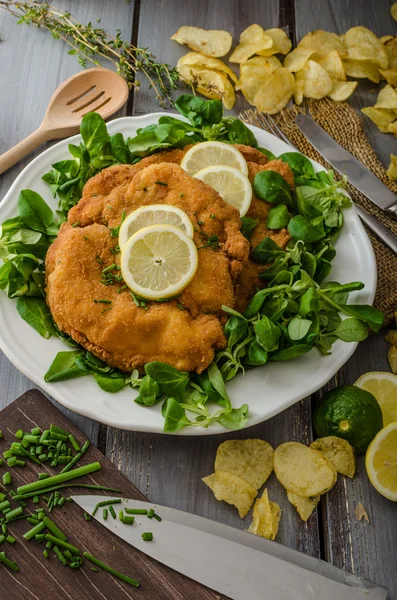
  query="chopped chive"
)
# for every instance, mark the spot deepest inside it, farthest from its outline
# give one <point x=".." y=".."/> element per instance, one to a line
<point x="106" y="310"/>
<point x="1" y="435"/>
<point x="86" y="238"/>
<point x="161" y="183"/>
<point x="48" y="545"/>
<point x="121" y="515"/>
<point x="87" y="517"/>
<point x="136" y="511"/>
<point x="2" y="539"/>
<point x="22" y="503"/>
<point x="7" y="479"/>
<point x="8" y="563"/>
<point x="1" y="462"/>
<point x="150" y="513"/>
<point x="76" y="224"/>
<point x="74" y="443"/>
<point x="54" y="530"/>
<point x="19" y="434"/>
<point x="94" y="569"/>
<point x="7" y="454"/>
<point x="128" y="520"/>
<point x="32" y="532"/>
<point x="61" y="478"/>
<point x="31" y="439"/>
<point x="11" y="462"/>
<point x="60" y="555"/>
<point x="106" y="503"/>
<point x="4" y="529"/>
<point x="44" y="436"/>
<point x="77" y="562"/>
<point x="59" y="542"/>
<point x="33" y="521"/>
<point x="112" y="511"/>
<point x="3" y="505"/>
<point x="40" y="537"/>
<point x="76" y="458"/>
<point x="147" y="536"/>
<point x="45" y="553"/>
<point x="98" y="259"/>
<point x="62" y="501"/>
<point x="87" y="486"/>
<point x="108" y="569"/>
<point x="36" y="499"/>
<point x="14" y="513"/>
<point x="101" y="301"/>
<point x="10" y="539"/>
<point x="35" y="431"/>
<point x="105" y="514"/>
<point x="20" y="463"/>
<point x="157" y="517"/>
<point x="68" y="554"/>
<point x="2" y="497"/>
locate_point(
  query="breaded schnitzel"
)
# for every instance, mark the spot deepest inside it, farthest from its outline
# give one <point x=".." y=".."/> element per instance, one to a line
<point x="184" y="332"/>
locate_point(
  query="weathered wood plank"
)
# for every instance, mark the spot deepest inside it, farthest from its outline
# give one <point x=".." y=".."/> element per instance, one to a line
<point x="157" y="581"/>
<point x="28" y="80"/>
<point x="159" y="19"/>
<point x="363" y="548"/>
<point x="168" y="469"/>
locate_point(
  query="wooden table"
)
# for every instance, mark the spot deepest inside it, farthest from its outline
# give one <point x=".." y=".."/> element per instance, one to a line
<point x="168" y="469"/>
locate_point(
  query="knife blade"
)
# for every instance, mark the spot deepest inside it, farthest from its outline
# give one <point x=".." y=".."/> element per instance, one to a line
<point x="235" y="563"/>
<point x="346" y="164"/>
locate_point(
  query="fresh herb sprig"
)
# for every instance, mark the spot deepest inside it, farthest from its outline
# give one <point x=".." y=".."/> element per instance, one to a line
<point x="93" y="44"/>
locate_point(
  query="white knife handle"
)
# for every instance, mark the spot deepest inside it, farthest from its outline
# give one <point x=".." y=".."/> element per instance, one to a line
<point x="385" y="235"/>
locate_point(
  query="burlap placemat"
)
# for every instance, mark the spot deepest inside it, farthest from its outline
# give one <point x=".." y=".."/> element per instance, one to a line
<point x="342" y="122"/>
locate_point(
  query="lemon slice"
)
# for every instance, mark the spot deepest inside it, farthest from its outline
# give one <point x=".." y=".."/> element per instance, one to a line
<point x="158" y="261"/>
<point x="230" y="183"/>
<point x="383" y="386"/>
<point x="154" y="214"/>
<point x="381" y="462"/>
<point x="207" y="154"/>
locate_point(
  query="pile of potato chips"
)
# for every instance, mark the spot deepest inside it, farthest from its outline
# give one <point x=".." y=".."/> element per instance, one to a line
<point x="243" y="466"/>
<point x="318" y="67"/>
<point x="391" y="338"/>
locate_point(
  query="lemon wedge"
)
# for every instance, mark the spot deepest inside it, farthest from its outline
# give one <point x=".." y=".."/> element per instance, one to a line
<point x="207" y="154"/>
<point x="383" y="386"/>
<point x="158" y="261"/>
<point x="381" y="462"/>
<point x="154" y="214"/>
<point x="230" y="183"/>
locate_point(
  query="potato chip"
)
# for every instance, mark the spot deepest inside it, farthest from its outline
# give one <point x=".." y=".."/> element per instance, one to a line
<point x="251" y="459"/>
<point x="387" y="98"/>
<point x="253" y="74"/>
<point x="265" y="517"/>
<point x="391" y="336"/>
<point x="362" y="44"/>
<point x="281" y="43"/>
<point x="212" y="84"/>
<point x="298" y="92"/>
<point x="393" y="11"/>
<point x="296" y="60"/>
<point x="390" y="75"/>
<point x="322" y="42"/>
<point x="391" y="51"/>
<point x="339" y="452"/>
<point x="333" y="64"/>
<point x="212" y="42"/>
<point x="303" y="470"/>
<point x="341" y="90"/>
<point x="392" y="127"/>
<point x="392" y="358"/>
<point x="317" y="82"/>
<point x="252" y="40"/>
<point x="362" y="69"/>
<point x="206" y="62"/>
<point x="386" y="38"/>
<point x="361" y="513"/>
<point x="233" y="490"/>
<point x="392" y="174"/>
<point x="382" y="117"/>
<point x="275" y="94"/>
<point x="304" y="506"/>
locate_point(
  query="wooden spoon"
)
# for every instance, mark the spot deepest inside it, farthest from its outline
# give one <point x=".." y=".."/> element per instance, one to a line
<point x="99" y="90"/>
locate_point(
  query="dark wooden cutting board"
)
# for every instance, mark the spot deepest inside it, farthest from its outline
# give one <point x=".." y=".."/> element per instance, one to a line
<point x="38" y="578"/>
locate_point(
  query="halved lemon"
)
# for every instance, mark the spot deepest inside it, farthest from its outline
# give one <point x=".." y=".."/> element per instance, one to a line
<point x="381" y="462"/>
<point x="158" y="261"/>
<point x="207" y="154"/>
<point x="154" y="214"/>
<point x="230" y="183"/>
<point x="383" y="386"/>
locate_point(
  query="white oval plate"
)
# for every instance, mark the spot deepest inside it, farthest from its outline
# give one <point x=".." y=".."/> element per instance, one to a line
<point x="268" y="390"/>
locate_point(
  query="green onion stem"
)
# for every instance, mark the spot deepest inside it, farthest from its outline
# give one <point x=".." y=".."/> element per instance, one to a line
<point x="58" y="542"/>
<point x="66" y="485"/>
<point x="61" y="478"/>
<point x="32" y="532"/>
<point x="7" y="562"/>
<point x="108" y="569"/>
<point x="54" y="530"/>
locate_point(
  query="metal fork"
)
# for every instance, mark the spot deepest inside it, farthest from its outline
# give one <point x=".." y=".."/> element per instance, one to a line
<point x="382" y="232"/>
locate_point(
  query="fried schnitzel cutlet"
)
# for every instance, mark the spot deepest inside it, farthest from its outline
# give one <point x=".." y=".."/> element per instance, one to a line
<point x="184" y="332"/>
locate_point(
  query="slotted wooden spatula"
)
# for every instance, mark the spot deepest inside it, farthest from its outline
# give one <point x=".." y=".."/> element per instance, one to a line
<point x="98" y="89"/>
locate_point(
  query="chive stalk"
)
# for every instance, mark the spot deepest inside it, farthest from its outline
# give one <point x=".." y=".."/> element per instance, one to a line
<point x="7" y="479"/>
<point x="147" y="536"/>
<point x="61" y="543"/>
<point x="106" y="503"/>
<point x="54" y="530"/>
<point x="61" y="478"/>
<point x="35" y="530"/>
<point x="98" y="563"/>
<point x="7" y="562"/>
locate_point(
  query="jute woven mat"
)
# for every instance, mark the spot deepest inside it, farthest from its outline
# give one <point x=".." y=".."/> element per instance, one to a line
<point x="342" y="122"/>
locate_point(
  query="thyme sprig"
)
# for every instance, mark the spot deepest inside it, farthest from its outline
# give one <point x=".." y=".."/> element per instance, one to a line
<point x="90" y="44"/>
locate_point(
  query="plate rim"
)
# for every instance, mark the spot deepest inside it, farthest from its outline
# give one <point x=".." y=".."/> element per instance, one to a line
<point x="57" y="393"/>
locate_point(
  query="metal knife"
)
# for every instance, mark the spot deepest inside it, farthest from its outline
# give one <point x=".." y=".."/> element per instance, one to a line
<point x="236" y="563"/>
<point x="358" y="175"/>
